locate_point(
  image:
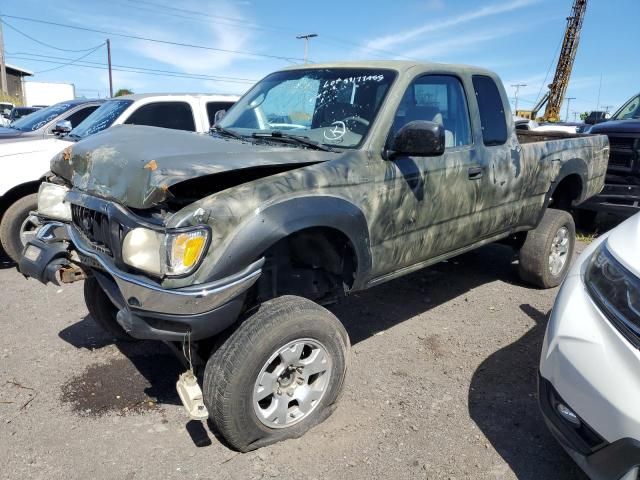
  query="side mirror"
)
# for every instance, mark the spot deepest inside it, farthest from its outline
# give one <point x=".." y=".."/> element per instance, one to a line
<point x="63" y="127"/>
<point x="218" y="116"/>
<point x="418" y="139"/>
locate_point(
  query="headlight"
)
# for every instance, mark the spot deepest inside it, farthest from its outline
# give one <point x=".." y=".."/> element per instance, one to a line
<point x="616" y="291"/>
<point x="172" y="254"/>
<point x="51" y="202"/>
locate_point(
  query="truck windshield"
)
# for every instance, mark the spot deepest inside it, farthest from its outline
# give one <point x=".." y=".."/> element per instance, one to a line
<point x="103" y="117"/>
<point x="334" y="106"/>
<point x="40" y="118"/>
<point x="629" y="110"/>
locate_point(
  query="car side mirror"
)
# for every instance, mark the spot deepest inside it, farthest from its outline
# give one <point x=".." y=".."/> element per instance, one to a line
<point x="419" y="138"/>
<point x="219" y="116"/>
<point x="63" y="127"/>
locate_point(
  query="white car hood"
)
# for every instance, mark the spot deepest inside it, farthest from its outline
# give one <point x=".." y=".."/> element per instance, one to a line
<point x="624" y="243"/>
<point x="32" y="146"/>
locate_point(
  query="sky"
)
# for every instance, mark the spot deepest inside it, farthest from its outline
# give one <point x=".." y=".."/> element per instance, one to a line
<point x="247" y="39"/>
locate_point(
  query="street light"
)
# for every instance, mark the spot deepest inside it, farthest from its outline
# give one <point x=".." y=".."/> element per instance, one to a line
<point x="306" y="42"/>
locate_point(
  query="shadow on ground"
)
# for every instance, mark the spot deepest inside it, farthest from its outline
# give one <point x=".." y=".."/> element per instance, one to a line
<point x="503" y="403"/>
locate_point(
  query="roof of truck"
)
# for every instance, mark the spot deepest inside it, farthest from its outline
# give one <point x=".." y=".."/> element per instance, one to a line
<point x="399" y="65"/>
<point x="140" y="96"/>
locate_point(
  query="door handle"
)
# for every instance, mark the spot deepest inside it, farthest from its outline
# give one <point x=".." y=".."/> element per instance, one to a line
<point x="475" y="173"/>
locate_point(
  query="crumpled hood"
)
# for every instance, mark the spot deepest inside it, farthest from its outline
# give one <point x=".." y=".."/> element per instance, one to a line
<point x="624" y="243"/>
<point x="617" y="126"/>
<point x="136" y="165"/>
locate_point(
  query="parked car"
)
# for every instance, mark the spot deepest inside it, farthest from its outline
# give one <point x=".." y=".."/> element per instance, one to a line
<point x="18" y="112"/>
<point x="621" y="194"/>
<point x="590" y="364"/>
<point x="321" y="181"/>
<point x="5" y="111"/>
<point x="43" y="123"/>
<point x="27" y="162"/>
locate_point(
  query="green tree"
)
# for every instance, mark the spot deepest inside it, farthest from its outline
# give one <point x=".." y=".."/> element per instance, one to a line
<point x="584" y="115"/>
<point x="123" y="91"/>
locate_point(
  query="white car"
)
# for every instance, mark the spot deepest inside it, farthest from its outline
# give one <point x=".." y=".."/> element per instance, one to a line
<point x="589" y="383"/>
<point x="26" y="162"/>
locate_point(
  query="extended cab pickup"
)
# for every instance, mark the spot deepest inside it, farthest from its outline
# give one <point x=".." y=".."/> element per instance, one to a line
<point x="322" y="180"/>
<point x="26" y="158"/>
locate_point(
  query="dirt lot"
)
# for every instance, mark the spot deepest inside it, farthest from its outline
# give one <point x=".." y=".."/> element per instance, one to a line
<point x="442" y="384"/>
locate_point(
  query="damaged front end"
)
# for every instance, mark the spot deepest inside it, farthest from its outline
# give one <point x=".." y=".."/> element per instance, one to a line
<point x="94" y="243"/>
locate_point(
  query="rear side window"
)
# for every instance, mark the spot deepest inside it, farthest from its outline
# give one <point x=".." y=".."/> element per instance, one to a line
<point x="213" y="107"/>
<point x="492" y="116"/>
<point x="175" y="115"/>
<point x="76" y="117"/>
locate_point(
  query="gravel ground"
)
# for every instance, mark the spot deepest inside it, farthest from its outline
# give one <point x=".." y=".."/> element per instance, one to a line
<point x="442" y="384"/>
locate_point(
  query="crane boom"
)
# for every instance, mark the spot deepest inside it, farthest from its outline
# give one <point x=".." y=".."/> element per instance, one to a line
<point x="558" y="87"/>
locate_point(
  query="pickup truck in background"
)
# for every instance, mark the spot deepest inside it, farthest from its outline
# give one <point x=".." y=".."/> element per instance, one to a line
<point x="621" y="194"/>
<point x="27" y="161"/>
<point x="321" y="181"/>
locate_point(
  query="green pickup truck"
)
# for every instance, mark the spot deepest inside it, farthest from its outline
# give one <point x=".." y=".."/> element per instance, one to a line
<point x="321" y="181"/>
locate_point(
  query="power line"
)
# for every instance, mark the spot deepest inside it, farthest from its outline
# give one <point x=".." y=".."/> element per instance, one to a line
<point x="26" y="55"/>
<point x="145" y="71"/>
<point x="156" y="40"/>
<point x="46" y="44"/>
<point x="71" y="62"/>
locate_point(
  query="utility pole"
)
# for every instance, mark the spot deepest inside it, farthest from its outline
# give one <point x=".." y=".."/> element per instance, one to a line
<point x="517" y="87"/>
<point x="4" y="88"/>
<point x="569" y="103"/>
<point x="575" y="116"/>
<point x="109" y="63"/>
<point x="606" y="108"/>
<point x="306" y="43"/>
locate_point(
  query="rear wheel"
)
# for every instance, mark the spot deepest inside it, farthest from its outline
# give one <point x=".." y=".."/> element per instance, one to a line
<point x="14" y="220"/>
<point x="103" y="311"/>
<point x="278" y="374"/>
<point x="546" y="254"/>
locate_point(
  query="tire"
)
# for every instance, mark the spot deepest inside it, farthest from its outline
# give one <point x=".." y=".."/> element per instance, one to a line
<point x="103" y="311"/>
<point x="231" y="374"/>
<point x="556" y="233"/>
<point x="11" y="224"/>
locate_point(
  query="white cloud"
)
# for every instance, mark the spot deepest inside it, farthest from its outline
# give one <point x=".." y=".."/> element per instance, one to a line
<point x="392" y="40"/>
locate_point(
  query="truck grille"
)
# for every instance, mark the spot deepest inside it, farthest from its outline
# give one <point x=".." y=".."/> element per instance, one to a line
<point x="96" y="228"/>
<point x="623" y="152"/>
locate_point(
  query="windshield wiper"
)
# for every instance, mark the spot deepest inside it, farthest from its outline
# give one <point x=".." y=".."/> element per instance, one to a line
<point x="300" y="140"/>
<point x="225" y="132"/>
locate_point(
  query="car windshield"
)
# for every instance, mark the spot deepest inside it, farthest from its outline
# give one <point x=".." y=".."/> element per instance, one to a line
<point x="40" y="118"/>
<point x="629" y="110"/>
<point x="333" y="106"/>
<point x="103" y="117"/>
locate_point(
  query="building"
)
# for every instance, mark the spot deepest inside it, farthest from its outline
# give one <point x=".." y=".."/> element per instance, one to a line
<point x="15" y="78"/>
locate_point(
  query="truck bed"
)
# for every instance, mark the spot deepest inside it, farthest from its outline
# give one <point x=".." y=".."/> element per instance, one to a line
<point x="532" y="136"/>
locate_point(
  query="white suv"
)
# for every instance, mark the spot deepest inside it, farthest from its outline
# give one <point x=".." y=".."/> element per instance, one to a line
<point x="589" y="385"/>
<point x="25" y="162"/>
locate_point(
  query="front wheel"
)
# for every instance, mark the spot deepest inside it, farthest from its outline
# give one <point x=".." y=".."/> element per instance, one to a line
<point x="103" y="311"/>
<point x="14" y="227"/>
<point x="546" y="254"/>
<point x="278" y="374"/>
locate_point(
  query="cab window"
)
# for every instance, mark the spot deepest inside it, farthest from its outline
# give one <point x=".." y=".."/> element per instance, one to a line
<point x="174" y="115"/>
<point x="491" y="109"/>
<point x="439" y="99"/>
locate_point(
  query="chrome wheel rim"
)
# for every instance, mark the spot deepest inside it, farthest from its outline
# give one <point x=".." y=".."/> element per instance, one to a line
<point x="292" y="383"/>
<point x="28" y="229"/>
<point x="559" y="251"/>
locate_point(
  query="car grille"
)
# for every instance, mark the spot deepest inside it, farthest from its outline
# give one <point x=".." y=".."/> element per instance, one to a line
<point x="96" y="228"/>
<point x="623" y="152"/>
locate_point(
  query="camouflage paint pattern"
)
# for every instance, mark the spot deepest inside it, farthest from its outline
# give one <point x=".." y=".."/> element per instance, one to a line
<point x="416" y="208"/>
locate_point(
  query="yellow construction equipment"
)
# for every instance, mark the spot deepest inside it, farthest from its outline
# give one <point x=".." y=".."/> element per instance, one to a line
<point x="558" y="88"/>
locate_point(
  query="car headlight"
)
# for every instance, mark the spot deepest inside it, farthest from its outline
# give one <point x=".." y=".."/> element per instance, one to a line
<point x="51" y="202"/>
<point x="172" y="253"/>
<point x="616" y="291"/>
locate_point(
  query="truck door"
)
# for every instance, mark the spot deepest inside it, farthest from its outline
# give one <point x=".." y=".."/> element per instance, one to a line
<point x="432" y="197"/>
<point x="500" y="202"/>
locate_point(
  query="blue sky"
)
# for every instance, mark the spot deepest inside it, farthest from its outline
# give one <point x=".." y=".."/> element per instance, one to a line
<point x="516" y="38"/>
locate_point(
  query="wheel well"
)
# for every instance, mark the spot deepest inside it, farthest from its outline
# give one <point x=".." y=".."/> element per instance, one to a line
<point x="566" y="192"/>
<point x="17" y="193"/>
<point x="318" y="263"/>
